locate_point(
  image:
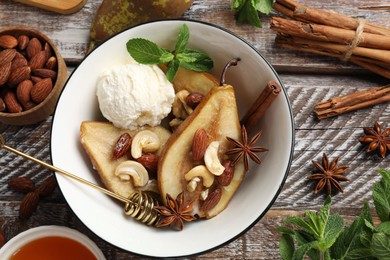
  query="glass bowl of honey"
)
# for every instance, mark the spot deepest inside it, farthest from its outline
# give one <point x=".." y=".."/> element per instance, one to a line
<point x="51" y="242"/>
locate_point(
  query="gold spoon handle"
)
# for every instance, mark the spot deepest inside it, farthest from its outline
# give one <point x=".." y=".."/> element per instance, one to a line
<point x="67" y="174"/>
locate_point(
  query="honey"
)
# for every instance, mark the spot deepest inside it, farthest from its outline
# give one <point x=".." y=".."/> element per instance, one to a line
<point x="54" y="247"/>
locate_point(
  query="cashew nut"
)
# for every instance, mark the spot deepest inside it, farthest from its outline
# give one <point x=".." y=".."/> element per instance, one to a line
<point x="211" y="159"/>
<point x="204" y="194"/>
<point x="144" y="141"/>
<point x="180" y="108"/>
<point x="132" y="170"/>
<point x="200" y="171"/>
<point x="191" y="186"/>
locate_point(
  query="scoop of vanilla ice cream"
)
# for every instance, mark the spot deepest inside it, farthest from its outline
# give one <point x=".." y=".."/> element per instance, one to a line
<point x="134" y="95"/>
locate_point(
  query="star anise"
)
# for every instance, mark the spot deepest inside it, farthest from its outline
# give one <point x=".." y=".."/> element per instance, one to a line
<point x="329" y="176"/>
<point x="175" y="212"/>
<point x="245" y="149"/>
<point x="377" y="139"/>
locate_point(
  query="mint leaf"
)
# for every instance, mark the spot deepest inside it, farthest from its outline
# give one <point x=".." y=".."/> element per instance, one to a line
<point x="173" y="67"/>
<point x="384" y="227"/>
<point x="333" y="228"/>
<point x="385" y="175"/>
<point x="248" y="13"/>
<point x="348" y="245"/>
<point x="237" y="4"/>
<point x="380" y="246"/>
<point x="302" y="250"/>
<point x="145" y="51"/>
<point x="264" y="6"/>
<point x="287" y="247"/>
<point x="381" y="197"/>
<point x="182" y="39"/>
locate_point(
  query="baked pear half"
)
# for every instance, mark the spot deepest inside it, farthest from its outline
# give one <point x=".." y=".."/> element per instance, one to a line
<point x="98" y="140"/>
<point x="195" y="166"/>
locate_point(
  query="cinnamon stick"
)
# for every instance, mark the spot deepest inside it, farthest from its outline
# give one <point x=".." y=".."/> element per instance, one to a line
<point x="378" y="61"/>
<point x="353" y="101"/>
<point x="300" y="12"/>
<point x="328" y="33"/>
<point x="260" y="106"/>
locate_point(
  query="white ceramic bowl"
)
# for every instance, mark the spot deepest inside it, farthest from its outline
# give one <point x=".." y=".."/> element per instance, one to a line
<point x="262" y="184"/>
<point x="48" y="231"/>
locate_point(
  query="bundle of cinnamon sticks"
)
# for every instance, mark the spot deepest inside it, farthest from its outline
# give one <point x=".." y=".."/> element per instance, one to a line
<point x="328" y="33"/>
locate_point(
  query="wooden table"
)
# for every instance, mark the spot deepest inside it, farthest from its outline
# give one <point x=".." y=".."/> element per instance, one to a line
<point x="308" y="78"/>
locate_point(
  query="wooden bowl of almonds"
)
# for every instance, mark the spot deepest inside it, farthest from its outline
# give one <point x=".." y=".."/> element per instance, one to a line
<point x="32" y="75"/>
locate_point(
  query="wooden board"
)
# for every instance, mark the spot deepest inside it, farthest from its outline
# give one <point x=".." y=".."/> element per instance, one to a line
<point x="58" y="6"/>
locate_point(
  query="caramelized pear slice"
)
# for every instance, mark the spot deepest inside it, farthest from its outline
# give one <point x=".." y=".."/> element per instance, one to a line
<point x="98" y="140"/>
<point x="218" y="115"/>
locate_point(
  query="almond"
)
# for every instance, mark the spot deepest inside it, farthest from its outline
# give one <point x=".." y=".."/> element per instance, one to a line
<point x="150" y="162"/>
<point x="8" y="41"/>
<point x="51" y="63"/>
<point x="227" y="176"/>
<point x="18" y="62"/>
<point x="28" y="205"/>
<point x="7" y="55"/>
<point x="212" y="200"/>
<point x="45" y="73"/>
<point x="2" y="105"/>
<point x="35" y="79"/>
<point x="23" y="41"/>
<point x="11" y="102"/>
<point x="41" y="90"/>
<point x="121" y="146"/>
<point x="199" y="144"/>
<point x="47" y="50"/>
<point x="5" y="72"/>
<point x="193" y="99"/>
<point x="47" y="187"/>
<point x="23" y="91"/>
<point x="18" y="75"/>
<point x="28" y="105"/>
<point x="21" y="184"/>
<point x="34" y="46"/>
<point x="37" y="61"/>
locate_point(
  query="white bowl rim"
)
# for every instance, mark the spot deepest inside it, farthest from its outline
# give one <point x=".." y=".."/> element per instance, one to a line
<point x="290" y="114"/>
<point x="35" y="233"/>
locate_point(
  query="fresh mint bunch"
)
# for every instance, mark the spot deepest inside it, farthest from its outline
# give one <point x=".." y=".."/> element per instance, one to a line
<point x="324" y="236"/>
<point x="248" y="10"/>
<point x="147" y="52"/>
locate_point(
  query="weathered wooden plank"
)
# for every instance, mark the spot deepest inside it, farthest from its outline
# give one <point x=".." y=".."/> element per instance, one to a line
<point x="70" y="32"/>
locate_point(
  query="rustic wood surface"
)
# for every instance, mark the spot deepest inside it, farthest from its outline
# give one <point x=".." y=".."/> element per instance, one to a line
<point x="308" y="78"/>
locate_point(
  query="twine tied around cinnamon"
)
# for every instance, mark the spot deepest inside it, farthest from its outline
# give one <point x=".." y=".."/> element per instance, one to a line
<point x="356" y="39"/>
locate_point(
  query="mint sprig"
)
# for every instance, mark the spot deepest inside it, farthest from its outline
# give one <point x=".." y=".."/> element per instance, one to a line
<point x="324" y="236"/>
<point x="147" y="52"/>
<point x="248" y="10"/>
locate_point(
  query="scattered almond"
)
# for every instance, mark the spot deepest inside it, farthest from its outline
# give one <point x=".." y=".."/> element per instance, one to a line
<point x="8" y="41"/>
<point x="23" y="91"/>
<point x="121" y="146"/>
<point x="38" y="60"/>
<point x="227" y="176"/>
<point x="7" y="55"/>
<point x="47" y="187"/>
<point x="193" y="99"/>
<point x="150" y="162"/>
<point x="18" y="75"/>
<point x="23" y="42"/>
<point x="45" y="73"/>
<point x="199" y="144"/>
<point x="21" y="184"/>
<point x="11" y="102"/>
<point x="18" y="62"/>
<point x="34" y="46"/>
<point x="41" y="90"/>
<point x="28" y="205"/>
<point x="5" y="72"/>
<point x="212" y="200"/>
<point x="51" y="63"/>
